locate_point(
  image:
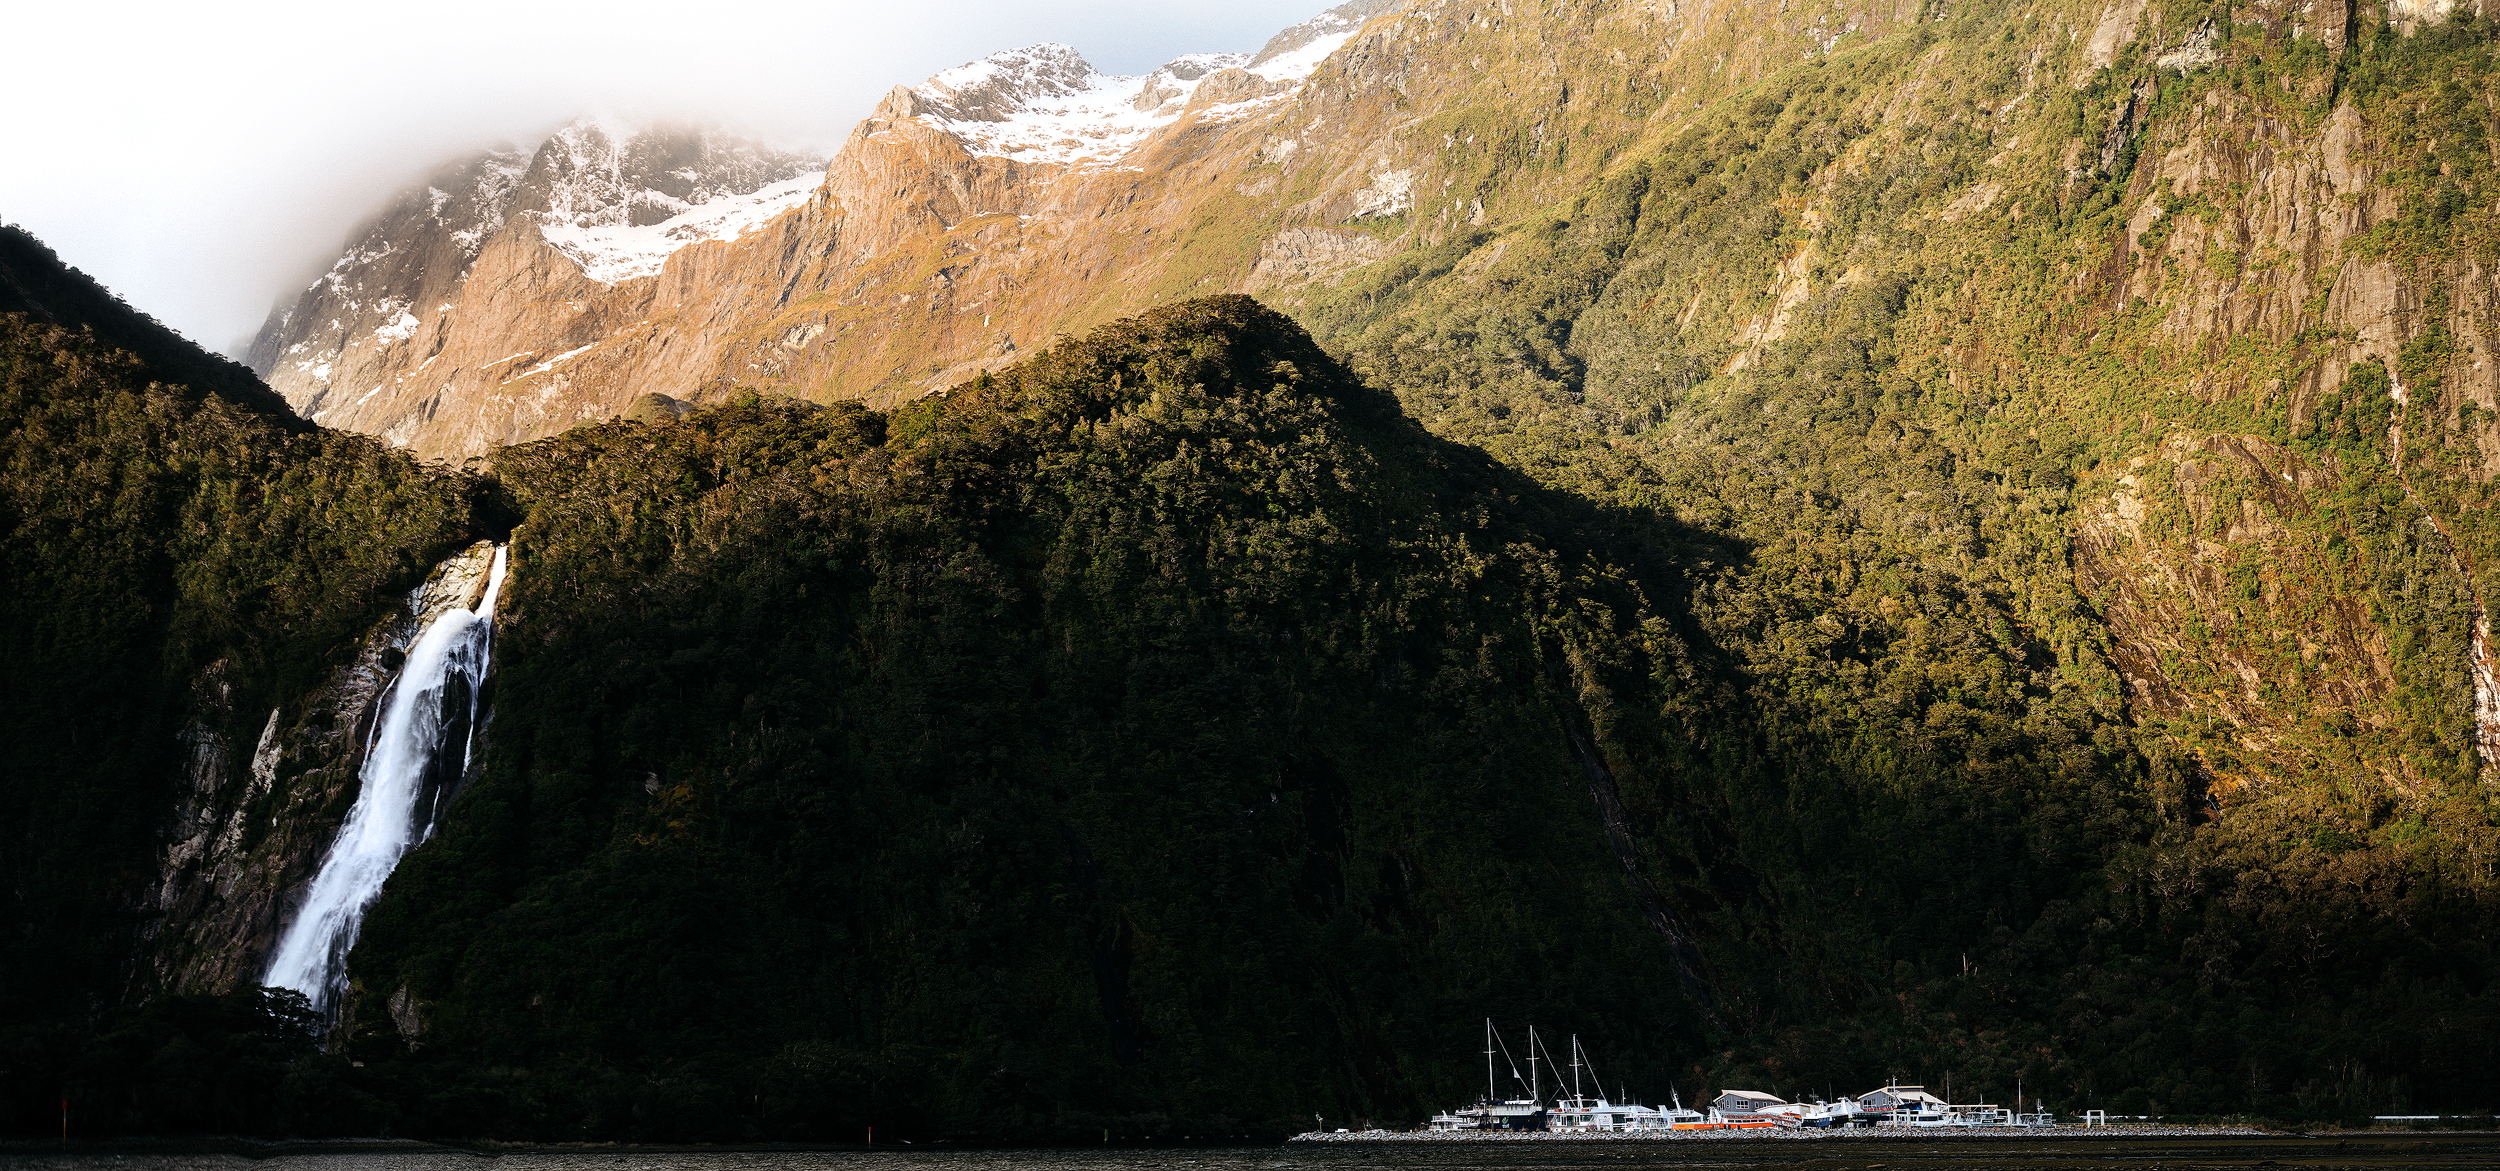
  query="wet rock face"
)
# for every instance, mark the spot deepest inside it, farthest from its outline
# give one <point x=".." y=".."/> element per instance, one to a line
<point x="407" y="1015"/>
<point x="2208" y="561"/>
<point x="263" y="797"/>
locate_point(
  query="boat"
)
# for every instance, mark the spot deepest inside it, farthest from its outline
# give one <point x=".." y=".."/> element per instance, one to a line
<point x="1977" y="1114"/>
<point x="1586" y="1111"/>
<point x="2038" y="1118"/>
<point x="1718" y="1121"/>
<point x="1830" y="1115"/>
<point x="1678" y="1115"/>
<point x="1583" y="1113"/>
<point x="1494" y="1112"/>
<point x="1739" y="1110"/>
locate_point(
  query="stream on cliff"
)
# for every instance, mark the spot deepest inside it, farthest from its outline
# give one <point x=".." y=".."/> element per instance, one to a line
<point x="418" y="750"/>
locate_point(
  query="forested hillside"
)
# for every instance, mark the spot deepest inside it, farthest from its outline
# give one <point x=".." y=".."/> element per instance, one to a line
<point x="2097" y="405"/>
<point x="176" y="564"/>
<point x="1108" y="744"/>
<point x="1095" y="746"/>
<point x="1962" y="552"/>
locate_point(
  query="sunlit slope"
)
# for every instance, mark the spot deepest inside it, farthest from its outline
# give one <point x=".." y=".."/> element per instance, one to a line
<point x="2073" y="377"/>
<point x="978" y="214"/>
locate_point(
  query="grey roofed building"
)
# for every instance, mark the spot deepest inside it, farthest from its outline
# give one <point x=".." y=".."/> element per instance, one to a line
<point x="1899" y="1098"/>
<point x="1735" y="1102"/>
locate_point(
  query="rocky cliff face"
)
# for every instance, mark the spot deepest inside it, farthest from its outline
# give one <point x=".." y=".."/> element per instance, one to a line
<point x="991" y="207"/>
<point x="396" y="329"/>
<point x="2227" y="557"/>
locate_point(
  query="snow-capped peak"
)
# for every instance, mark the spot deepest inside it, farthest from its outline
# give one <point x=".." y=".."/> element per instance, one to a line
<point x="619" y="200"/>
<point x="1046" y="103"/>
<point x="1003" y="85"/>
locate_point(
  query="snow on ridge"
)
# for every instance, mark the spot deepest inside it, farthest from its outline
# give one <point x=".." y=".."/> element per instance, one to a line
<point x="550" y="363"/>
<point x="1297" y="64"/>
<point x="1045" y="103"/>
<point x="611" y="253"/>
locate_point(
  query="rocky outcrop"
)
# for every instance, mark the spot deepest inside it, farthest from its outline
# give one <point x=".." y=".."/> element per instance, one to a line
<point x="1298" y="256"/>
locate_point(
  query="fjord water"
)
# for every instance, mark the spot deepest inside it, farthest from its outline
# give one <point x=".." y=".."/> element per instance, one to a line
<point x="407" y="774"/>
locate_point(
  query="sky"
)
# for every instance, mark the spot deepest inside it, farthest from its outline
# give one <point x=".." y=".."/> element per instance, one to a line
<point x="207" y="161"/>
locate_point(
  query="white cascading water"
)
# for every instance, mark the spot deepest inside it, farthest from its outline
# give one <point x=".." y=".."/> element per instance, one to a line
<point x="406" y="763"/>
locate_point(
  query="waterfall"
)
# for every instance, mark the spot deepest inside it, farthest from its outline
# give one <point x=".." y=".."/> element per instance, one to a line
<point x="418" y="750"/>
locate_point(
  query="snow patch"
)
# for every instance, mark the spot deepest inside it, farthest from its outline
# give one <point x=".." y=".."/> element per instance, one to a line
<point x="610" y="253"/>
<point x="1301" y="63"/>
<point x="399" y="329"/>
<point x="1046" y="104"/>
<point x="549" y="364"/>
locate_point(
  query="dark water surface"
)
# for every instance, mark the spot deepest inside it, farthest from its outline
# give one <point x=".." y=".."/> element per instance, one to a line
<point x="2376" y="1151"/>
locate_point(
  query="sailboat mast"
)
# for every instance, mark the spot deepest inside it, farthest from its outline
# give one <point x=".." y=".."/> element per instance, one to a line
<point x="1535" y="1091"/>
<point x="1575" y="1065"/>
<point x="1491" y="1094"/>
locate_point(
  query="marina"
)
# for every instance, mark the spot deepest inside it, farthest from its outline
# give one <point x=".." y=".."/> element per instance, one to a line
<point x="2117" y="1148"/>
<point x="1588" y="1113"/>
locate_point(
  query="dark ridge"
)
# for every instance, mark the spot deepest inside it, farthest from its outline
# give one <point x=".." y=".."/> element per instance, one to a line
<point x="35" y="282"/>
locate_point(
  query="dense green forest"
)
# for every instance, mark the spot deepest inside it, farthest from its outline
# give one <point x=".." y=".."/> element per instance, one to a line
<point x="1932" y="612"/>
<point x="1204" y="724"/>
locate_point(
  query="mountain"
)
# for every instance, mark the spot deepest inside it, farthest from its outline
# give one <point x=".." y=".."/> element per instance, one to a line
<point x="975" y="193"/>
<point x="1802" y="546"/>
<point x="1406" y="183"/>
<point x="392" y="333"/>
